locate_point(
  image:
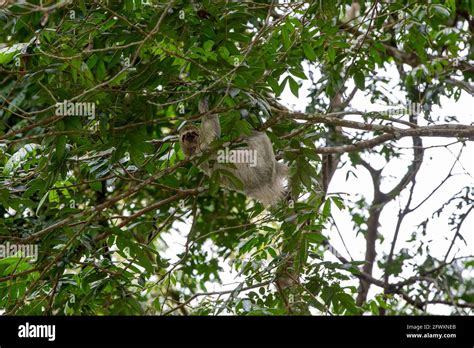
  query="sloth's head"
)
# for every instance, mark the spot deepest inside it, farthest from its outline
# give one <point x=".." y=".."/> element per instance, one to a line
<point x="189" y="139"/>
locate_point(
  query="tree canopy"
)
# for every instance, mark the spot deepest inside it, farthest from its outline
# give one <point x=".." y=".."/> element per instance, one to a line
<point x="93" y="93"/>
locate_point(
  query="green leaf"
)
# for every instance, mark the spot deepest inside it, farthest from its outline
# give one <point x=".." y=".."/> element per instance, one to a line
<point x="224" y="52"/>
<point x="41" y="202"/>
<point x="285" y="37"/>
<point x="273" y="83"/>
<point x="298" y="72"/>
<point x="60" y="146"/>
<point x="19" y="156"/>
<point x="8" y="53"/>
<point x="441" y="10"/>
<point x="359" y="80"/>
<point x="272" y="252"/>
<point x="331" y="54"/>
<point x="294" y="87"/>
<point x="101" y="71"/>
<point x="316" y="238"/>
<point x="53" y="196"/>
<point x="208" y="45"/>
<point x="339" y="202"/>
<point x="327" y="209"/>
<point x="214" y="182"/>
<point x="309" y="52"/>
<point x="303" y="252"/>
<point x="96" y="186"/>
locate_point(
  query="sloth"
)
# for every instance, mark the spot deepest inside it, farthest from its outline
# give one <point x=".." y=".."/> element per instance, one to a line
<point x="262" y="180"/>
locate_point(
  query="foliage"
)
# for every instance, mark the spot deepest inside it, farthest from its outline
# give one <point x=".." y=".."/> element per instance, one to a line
<point x="102" y="189"/>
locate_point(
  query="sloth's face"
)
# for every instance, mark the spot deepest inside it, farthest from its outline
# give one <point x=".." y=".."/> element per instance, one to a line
<point x="189" y="138"/>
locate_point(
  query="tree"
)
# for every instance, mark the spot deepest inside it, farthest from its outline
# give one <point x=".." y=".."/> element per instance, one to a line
<point x="93" y="94"/>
